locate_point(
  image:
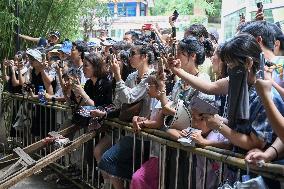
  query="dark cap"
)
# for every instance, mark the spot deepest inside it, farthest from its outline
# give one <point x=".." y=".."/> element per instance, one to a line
<point x="55" y="33"/>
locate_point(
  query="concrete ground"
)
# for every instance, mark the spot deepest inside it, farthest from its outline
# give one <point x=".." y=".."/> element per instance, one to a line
<point x="38" y="182"/>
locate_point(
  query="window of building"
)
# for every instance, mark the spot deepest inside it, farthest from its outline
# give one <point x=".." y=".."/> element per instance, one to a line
<point x="142" y="9"/>
<point x="231" y="23"/>
<point x="253" y="2"/>
<point x="111" y="8"/>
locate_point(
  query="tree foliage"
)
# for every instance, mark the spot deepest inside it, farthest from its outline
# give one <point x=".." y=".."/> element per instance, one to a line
<point x="166" y="7"/>
<point x="38" y="17"/>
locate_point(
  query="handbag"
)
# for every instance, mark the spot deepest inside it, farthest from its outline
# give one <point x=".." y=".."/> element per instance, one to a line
<point x="128" y="111"/>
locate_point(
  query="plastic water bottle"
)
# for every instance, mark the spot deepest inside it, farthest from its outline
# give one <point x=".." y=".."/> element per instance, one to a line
<point x="41" y="95"/>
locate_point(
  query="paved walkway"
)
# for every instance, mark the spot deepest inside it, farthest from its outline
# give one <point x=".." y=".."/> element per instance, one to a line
<point x="38" y="182"/>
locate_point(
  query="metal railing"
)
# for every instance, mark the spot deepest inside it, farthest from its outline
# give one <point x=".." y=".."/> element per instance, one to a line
<point x="89" y="175"/>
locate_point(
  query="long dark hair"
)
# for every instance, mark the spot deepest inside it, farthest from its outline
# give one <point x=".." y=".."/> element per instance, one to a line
<point x="98" y="63"/>
<point x="239" y="48"/>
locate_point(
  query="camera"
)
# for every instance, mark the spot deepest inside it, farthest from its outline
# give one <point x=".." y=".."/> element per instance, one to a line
<point x="124" y="56"/>
<point x="175" y="15"/>
<point x="55" y="58"/>
<point x="28" y="87"/>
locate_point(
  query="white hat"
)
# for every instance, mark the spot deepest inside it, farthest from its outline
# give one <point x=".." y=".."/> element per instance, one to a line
<point x="36" y="54"/>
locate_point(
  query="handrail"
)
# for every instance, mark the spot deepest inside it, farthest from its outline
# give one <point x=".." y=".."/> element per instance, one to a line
<point x="270" y="170"/>
<point x="35" y="101"/>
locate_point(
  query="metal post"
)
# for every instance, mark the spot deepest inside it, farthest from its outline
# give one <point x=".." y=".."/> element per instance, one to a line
<point x="177" y="162"/>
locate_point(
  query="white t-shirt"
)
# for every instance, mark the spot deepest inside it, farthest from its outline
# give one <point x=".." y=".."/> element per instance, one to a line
<point x="213" y="167"/>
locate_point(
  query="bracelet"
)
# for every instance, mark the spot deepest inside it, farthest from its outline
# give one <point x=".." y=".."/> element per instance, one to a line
<point x="275" y="152"/>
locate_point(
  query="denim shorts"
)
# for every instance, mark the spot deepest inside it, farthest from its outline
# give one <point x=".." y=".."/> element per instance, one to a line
<point x="118" y="160"/>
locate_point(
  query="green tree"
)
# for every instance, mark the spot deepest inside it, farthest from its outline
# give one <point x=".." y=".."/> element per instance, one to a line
<point x="38" y="17"/>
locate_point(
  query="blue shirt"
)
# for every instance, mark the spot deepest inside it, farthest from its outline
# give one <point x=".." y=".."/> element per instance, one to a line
<point x="258" y="121"/>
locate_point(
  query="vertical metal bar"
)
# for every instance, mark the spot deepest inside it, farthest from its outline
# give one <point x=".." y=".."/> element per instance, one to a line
<point x="99" y="172"/>
<point x="65" y="158"/>
<point x="112" y="136"/>
<point x="142" y="150"/>
<point x="177" y="167"/>
<point x="160" y="166"/>
<point x="24" y="129"/>
<point x="151" y="150"/>
<point x="50" y="125"/>
<point x="221" y="176"/>
<point x="239" y="174"/>
<point x="93" y="166"/>
<point x="82" y="161"/>
<point x="163" y="160"/>
<point x="40" y="117"/>
<point x="204" y="172"/>
<point x="32" y="116"/>
<point x="133" y="153"/>
<point x="45" y="125"/>
<point x="87" y="179"/>
<point x="189" y="170"/>
<point x="119" y="133"/>
<point x="13" y="111"/>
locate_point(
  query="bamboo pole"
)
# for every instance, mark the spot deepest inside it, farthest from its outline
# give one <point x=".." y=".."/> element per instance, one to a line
<point x="35" y="146"/>
<point x="45" y="161"/>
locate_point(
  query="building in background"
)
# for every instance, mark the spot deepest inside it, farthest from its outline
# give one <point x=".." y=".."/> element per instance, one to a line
<point x="128" y="8"/>
<point x="273" y="11"/>
<point x="126" y="15"/>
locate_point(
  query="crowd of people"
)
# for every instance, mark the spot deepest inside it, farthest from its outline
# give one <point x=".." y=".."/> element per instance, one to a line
<point x="158" y="82"/>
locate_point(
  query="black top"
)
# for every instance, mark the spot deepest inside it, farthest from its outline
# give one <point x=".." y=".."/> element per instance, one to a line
<point x="10" y="87"/>
<point x="101" y="92"/>
<point x="37" y="81"/>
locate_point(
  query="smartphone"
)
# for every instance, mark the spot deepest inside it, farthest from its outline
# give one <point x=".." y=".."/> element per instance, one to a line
<point x="259" y="6"/>
<point x="43" y="56"/>
<point x="110" y="51"/>
<point x="174" y="32"/>
<point x="174" y="50"/>
<point x="242" y="16"/>
<point x="260" y="73"/>
<point x="160" y="66"/>
<point x="153" y="36"/>
<point x="175" y="15"/>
